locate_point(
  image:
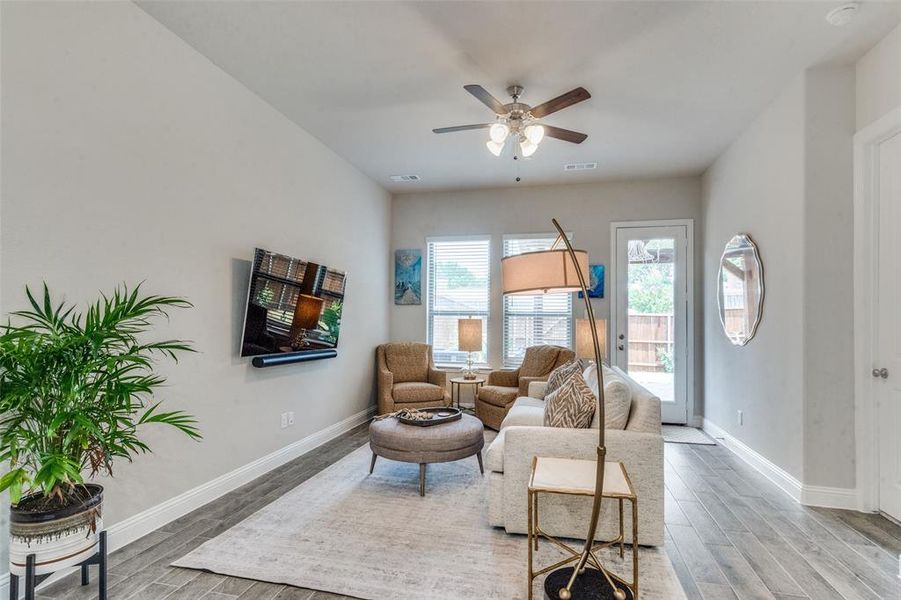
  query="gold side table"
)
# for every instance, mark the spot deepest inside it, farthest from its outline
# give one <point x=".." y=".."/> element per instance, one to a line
<point x="577" y="477"/>
<point x="456" y="382"/>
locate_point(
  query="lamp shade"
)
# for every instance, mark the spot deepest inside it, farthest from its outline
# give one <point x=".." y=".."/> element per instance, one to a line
<point x="306" y="312"/>
<point x="469" y="335"/>
<point x="543" y="272"/>
<point x="584" y="345"/>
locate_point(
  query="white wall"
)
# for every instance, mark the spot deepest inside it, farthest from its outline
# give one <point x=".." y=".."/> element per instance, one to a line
<point x="828" y="278"/>
<point x="757" y="187"/>
<point x="879" y="79"/>
<point x="584" y="209"/>
<point x="127" y="156"/>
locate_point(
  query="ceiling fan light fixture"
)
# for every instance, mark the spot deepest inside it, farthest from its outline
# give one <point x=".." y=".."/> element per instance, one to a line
<point x="494" y="147"/>
<point x="534" y="133"/>
<point x="499" y="132"/>
<point x="527" y="148"/>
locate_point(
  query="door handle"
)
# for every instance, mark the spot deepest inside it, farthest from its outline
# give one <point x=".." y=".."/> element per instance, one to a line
<point x="881" y="373"/>
<point x="622" y="336"/>
<point x="620" y="347"/>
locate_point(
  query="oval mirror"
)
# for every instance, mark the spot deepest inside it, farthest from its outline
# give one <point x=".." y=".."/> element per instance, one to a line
<point x="740" y="292"/>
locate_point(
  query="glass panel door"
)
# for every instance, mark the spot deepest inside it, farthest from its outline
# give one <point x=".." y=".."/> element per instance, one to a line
<point x="650" y="303"/>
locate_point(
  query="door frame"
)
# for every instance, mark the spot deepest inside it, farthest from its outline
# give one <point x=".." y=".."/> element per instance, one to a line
<point x="691" y="418"/>
<point x="866" y="238"/>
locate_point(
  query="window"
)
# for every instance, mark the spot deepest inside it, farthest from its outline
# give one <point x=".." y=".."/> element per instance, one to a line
<point x="535" y="319"/>
<point x="458" y="284"/>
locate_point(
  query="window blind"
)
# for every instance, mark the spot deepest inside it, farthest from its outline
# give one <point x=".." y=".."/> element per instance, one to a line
<point x="534" y="319"/>
<point x="458" y="287"/>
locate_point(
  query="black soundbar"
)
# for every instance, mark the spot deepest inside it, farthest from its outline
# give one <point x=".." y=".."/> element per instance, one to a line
<point x="274" y="360"/>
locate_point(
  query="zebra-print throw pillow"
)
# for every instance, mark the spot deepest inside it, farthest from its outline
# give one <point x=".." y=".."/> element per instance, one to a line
<point x="571" y="405"/>
<point x="561" y="374"/>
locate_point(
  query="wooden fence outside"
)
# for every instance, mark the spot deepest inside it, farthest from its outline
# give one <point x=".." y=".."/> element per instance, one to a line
<point x="651" y="341"/>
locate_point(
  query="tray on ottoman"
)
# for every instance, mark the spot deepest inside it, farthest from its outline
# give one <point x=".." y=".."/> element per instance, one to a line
<point x="439" y="415"/>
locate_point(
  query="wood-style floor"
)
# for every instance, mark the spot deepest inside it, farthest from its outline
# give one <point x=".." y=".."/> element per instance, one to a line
<point x="731" y="533"/>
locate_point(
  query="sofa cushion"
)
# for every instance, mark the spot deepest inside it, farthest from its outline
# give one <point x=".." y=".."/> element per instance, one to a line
<point x="407" y="362"/>
<point x="525" y="411"/>
<point x="538" y="361"/>
<point x="494" y="458"/>
<point x="498" y="395"/>
<point x="617" y="397"/>
<point x="572" y="405"/>
<point x="415" y="391"/>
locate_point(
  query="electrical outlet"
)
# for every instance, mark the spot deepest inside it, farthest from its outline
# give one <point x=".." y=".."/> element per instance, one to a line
<point x="290" y="418"/>
<point x="741" y="417"/>
<point x="284" y="420"/>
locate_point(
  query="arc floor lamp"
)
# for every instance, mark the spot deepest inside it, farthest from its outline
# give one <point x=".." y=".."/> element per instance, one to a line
<point x="561" y="270"/>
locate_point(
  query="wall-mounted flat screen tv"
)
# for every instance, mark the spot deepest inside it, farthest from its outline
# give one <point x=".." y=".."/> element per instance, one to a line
<point x="293" y="305"/>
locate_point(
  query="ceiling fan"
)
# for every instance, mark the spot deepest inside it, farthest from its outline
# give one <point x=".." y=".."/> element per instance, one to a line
<point x="521" y="122"/>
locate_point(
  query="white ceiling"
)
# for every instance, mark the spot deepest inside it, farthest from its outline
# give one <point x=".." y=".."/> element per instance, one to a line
<point x="672" y="83"/>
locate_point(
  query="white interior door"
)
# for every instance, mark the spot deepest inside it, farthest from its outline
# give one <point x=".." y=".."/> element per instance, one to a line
<point x="649" y="330"/>
<point x="887" y="370"/>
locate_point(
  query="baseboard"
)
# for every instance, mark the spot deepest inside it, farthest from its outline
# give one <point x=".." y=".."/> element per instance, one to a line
<point x="829" y="497"/>
<point x="808" y="495"/>
<point x="787" y="482"/>
<point x="123" y="533"/>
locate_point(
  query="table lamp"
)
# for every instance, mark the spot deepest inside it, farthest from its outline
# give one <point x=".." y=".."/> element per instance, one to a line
<point x="554" y="271"/>
<point x="306" y="317"/>
<point x="469" y="340"/>
<point x="584" y="344"/>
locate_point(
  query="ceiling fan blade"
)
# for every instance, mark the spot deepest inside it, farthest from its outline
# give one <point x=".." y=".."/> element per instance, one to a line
<point x="560" y="102"/>
<point x="485" y="98"/>
<point x="564" y="134"/>
<point x="461" y="128"/>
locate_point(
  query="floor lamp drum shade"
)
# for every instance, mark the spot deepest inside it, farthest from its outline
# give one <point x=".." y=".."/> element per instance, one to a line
<point x="469" y="335"/>
<point x="545" y="271"/>
<point x="584" y="343"/>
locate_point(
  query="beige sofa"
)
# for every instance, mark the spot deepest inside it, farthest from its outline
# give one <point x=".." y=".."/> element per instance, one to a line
<point x="522" y="435"/>
<point x="407" y="378"/>
<point x="505" y="386"/>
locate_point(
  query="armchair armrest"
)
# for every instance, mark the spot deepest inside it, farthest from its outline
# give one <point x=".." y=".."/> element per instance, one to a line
<point x="504" y="378"/>
<point x="385" y="384"/>
<point x="538" y="389"/>
<point x="525" y="382"/>
<point x="437" y="377"/>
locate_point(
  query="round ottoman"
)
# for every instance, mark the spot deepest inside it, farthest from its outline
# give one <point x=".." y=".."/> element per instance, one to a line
<point x="389" y="438"/>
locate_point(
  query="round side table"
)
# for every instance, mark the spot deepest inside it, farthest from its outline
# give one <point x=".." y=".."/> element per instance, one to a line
<point x="456" y="382"/>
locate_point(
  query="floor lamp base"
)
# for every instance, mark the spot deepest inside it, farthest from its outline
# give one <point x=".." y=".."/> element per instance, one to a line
<point x="591" y="585"/>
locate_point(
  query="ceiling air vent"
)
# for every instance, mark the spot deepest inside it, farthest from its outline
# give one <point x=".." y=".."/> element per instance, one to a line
<point x="580" y="166"/>
<point x="405" y="178"/>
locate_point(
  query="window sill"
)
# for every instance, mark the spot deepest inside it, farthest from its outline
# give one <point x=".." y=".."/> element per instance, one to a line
<point x="453" y="368"/>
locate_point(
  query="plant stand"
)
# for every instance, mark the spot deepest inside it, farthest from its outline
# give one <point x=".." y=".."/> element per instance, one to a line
<point x="32" y="580"/>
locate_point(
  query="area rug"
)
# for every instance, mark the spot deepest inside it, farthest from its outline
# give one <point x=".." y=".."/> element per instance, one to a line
<point x="373" y="537"/>
<point x="680" y="434"/>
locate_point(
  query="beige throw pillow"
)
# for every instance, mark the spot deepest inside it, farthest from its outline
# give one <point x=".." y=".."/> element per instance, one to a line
<point x="571" y="405"/>
<point x="617" y="398"/>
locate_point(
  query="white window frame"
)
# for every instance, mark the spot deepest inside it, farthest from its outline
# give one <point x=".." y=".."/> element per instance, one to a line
<point x="486" y="316"/>
<point x="571" y="333"/>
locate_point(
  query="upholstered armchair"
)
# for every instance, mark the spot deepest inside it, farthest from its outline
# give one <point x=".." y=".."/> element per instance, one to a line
<point x="407" y="378"/>
<point x="504" y="387"/>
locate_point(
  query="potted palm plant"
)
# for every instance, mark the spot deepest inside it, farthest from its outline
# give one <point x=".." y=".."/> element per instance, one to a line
<point x="75" y="391"/>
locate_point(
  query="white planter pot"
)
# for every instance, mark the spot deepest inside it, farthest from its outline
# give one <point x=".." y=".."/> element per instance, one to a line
<point x="59" y="538"/>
